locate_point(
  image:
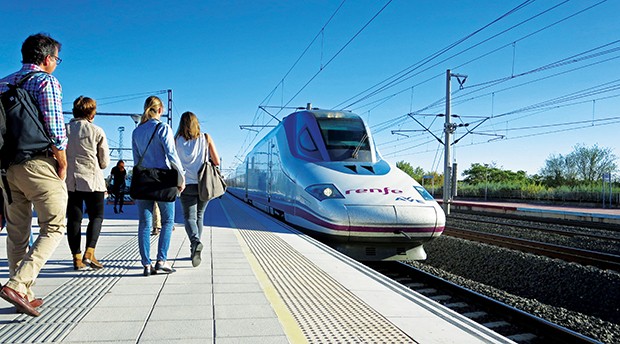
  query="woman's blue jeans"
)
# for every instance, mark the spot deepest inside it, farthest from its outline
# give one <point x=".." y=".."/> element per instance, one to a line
<point x="145" y="225"/>
<point x="193" y="213"/>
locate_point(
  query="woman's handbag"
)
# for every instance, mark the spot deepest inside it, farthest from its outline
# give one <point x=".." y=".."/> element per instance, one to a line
<point x="154" y="184"/>
<point x="210" y="181"/>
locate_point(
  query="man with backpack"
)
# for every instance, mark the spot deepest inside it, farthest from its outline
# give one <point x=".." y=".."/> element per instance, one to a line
<point x="34" y="168"/>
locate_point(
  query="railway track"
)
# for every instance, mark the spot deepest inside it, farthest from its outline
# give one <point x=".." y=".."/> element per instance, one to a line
<point x="585" y="257"/>
<point x="584" y="224"/>
<point x="508" y="321"/>
<point x="541" y="228"/>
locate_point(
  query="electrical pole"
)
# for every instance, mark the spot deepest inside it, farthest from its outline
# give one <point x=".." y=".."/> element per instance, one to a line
<point x="170" y="108"/>
<point x="447" y="166"/>
<point x="120" y="142"/>
<point x="449" y="129"/>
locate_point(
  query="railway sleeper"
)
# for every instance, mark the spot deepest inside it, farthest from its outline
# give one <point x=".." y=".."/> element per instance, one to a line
<point x="475" y="315"/>
<point x="496" y="324"/>
<point x="440" y="298"/>
<point x="522" y="337"/>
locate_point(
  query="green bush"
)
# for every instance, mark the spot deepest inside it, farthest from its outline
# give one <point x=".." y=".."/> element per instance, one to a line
<point x="586" y="193"/>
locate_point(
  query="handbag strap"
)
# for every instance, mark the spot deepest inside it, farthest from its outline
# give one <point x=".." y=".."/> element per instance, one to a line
<point x="206" y="147"/>
<point x="148" y="144"/>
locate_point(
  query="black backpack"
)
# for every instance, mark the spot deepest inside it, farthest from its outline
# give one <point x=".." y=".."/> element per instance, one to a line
<point x="23" y="134"/>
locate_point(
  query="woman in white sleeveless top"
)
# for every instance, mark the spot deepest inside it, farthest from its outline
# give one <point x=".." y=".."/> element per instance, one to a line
<point x="193" y="147"/>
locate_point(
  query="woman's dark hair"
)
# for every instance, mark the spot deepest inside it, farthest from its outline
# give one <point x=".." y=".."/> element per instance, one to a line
<point x="37" y="47"/>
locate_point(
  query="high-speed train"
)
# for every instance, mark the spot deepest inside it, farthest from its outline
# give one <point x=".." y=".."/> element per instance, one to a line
<point x="320" y="171"/>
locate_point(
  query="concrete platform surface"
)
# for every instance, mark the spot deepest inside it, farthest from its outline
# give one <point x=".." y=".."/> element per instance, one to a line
<point x="259" y="282"/>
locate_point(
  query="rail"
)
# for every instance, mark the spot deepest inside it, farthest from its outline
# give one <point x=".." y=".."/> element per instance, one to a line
<point x="585" y="257"/>
<point x="517" y="325"/>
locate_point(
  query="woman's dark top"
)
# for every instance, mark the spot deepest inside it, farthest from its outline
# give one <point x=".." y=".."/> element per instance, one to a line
<point x="118" y="178"/>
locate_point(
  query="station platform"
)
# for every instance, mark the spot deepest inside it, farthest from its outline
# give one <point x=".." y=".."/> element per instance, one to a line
<point x="574" y="213"/>
<point x="260" y="281"/>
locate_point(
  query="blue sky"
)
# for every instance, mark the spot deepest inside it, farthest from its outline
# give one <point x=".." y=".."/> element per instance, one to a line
<point x="540" y="87"/>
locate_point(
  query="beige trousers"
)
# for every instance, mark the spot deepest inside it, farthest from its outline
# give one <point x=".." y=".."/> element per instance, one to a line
<point x="33" y="183"/>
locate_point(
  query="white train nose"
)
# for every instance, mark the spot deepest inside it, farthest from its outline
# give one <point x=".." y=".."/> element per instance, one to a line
<point x="424" y="219"/>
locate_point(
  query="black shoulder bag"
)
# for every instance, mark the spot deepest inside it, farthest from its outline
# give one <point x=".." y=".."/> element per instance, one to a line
<point x="154" y="184"/>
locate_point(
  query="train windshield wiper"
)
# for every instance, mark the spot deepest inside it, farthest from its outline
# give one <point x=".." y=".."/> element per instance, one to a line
<point x="356" y="152"/>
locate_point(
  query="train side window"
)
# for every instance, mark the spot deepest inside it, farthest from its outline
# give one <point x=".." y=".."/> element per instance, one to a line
<point x="306" y="141"/>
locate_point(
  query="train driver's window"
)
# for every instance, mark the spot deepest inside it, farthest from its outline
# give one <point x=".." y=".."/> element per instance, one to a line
<point x="306" y="142"/>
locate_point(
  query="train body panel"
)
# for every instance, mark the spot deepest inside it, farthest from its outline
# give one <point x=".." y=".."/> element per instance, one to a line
<point x="320" y="170"/>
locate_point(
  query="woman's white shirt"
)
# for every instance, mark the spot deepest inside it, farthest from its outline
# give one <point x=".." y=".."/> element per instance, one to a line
<point x="192" y="154"/>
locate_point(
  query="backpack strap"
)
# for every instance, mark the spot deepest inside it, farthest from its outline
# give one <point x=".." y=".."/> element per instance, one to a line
<point x="206" y="147"/>
<point x="20" y="82"/>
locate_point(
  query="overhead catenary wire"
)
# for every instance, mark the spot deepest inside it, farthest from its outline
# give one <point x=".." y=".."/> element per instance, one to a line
<point x="465" y="95"/>
<point x="570" y="99"/>
<point x="323" y="66"/>
<point x="249" y="142"/>
<point x="575" y="58"/>
<point x="304" y="52"/>
<point x="579" y="97"/>
<point x="457" y="100"/>
<point x="122" y="98"/>
<point x="339" y="51"/>
<point x="585" y="126"/>
<point x="442" y="74"/>
<point x="400" y="75"/>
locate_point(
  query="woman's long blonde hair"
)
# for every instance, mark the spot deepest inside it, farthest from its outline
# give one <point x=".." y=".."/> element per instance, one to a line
<point x="189" y="128"/>
<point x="152" y="105"/>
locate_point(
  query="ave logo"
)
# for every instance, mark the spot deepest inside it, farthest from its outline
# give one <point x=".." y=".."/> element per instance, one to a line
<point x="409" y="199"/>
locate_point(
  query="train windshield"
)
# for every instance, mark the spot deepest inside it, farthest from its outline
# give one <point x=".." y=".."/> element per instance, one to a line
<point x="345" y="139"/>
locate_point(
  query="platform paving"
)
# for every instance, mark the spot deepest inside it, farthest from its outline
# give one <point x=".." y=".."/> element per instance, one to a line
<point x="259" y="282"/>
<point x="220" y="301"/>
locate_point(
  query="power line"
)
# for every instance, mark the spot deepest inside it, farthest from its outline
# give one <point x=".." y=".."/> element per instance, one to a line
<point x="304" y="52"/>
<point x="524" y="136"/>
<point x="440" y="101"/>
<point x="320" y="70"/>
<point x="526" y="83"/>
<point x="125" y="97"/>
<point x="398" y="76"/>
<point x="552" y="104"/>
<point x="585" y="55"/>
<point x="598" y="122"/>
<point x="242" y="151"/>
<point x="339" y="51"/>
<point x="563" y="62"/>
<point x="561" y="124"/>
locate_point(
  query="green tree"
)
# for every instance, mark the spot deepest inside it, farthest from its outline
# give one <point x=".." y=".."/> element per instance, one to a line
<point x="583" y="164"/>
<point x="591" y="163"/>
<point x="489" y="173"/>
<point x="478" y="173"/>
<point x="554" y="171"/>
<point x="415" y="173"/>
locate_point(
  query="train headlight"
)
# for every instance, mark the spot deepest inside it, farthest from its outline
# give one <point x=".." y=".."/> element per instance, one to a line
<point x="324" y="191"/>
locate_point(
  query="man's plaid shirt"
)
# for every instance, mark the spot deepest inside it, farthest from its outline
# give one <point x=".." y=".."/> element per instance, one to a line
<point x="47" y="91"/>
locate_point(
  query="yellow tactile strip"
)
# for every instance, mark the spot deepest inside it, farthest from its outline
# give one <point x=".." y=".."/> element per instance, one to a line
<point x="325" y="311"/>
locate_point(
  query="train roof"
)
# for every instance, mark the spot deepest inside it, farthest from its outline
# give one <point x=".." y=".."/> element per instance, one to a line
<point x="328" y="113"/>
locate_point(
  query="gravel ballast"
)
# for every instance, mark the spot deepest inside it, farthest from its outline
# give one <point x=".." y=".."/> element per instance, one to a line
<point x="582" y="298"/>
